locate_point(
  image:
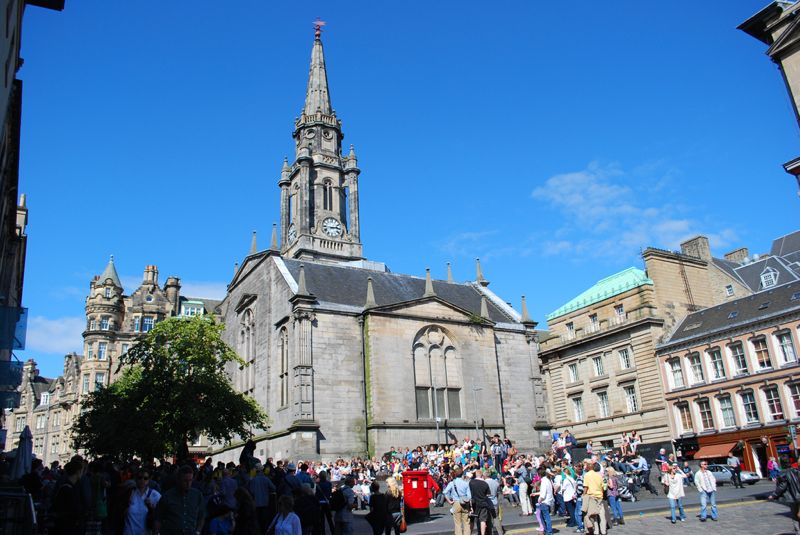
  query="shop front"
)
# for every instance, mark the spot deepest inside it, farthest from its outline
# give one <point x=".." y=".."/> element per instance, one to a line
<point x="753" y="446"/>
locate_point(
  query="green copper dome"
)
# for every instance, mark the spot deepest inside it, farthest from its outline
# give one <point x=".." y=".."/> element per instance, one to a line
<point x="610" y="286"/>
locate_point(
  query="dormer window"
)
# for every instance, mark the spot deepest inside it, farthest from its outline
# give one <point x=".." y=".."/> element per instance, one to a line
<point x="45" y="400"/>
<point x="769" y="278"/>
<point x="108" y="293"/>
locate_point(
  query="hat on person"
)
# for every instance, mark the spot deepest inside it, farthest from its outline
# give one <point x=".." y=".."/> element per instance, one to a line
<point x="291" y="467"/>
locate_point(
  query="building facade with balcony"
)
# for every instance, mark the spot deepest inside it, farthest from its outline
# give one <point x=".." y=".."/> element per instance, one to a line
<point x="732" y="378"/>
<point x="598" y="359"/>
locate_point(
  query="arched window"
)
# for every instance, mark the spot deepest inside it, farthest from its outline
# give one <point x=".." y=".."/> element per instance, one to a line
<point x="437" y="375"/>
<point x="248" y="352"/>
<point x="327" y="195"/>
<point x="283" y="341"/>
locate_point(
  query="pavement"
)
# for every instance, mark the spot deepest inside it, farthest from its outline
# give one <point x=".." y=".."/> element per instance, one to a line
<point x="741" y="509"/>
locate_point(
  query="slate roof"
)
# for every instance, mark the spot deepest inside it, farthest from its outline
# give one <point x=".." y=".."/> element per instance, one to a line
<point x="110" y="272"/>
<point x="608" y="287"/>
<point x="784" y="258"/>
<point x="344" y="285"/>
<point x="776" y="301"/>
<point x="786" y="244"/>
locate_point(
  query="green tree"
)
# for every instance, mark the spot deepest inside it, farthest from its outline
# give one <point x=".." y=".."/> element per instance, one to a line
<point x="174" y="387"/>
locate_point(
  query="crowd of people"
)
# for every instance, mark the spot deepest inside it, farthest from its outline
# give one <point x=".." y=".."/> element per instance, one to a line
<point x="477" y="479"/>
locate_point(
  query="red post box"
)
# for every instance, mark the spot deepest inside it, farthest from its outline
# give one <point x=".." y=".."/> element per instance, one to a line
<point x="416" y="493"/>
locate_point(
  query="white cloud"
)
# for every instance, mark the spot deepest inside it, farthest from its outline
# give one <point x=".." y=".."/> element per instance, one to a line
<point x="61" y="335"/>
<point x="605" y="216"/>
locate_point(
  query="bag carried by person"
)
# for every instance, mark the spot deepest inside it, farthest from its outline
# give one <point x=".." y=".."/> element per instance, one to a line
<point x="403" y="527"/>
<point x="338" y="501"/>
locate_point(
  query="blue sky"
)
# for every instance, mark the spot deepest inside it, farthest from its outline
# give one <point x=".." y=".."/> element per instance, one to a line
<point x="553" y="140"/>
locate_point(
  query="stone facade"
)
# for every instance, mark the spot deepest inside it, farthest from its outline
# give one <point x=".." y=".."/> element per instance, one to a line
<point x="732" y="379"/>
<point x="620" y="321"/>
<point x="113" y="322"/>
<point x="348" y="358"/>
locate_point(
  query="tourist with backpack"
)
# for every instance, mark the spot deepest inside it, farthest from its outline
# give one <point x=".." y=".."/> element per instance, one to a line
<point x="343" y="501"/>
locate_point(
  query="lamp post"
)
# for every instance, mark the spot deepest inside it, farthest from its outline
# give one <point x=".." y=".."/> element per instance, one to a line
<point x="475" y="406"/>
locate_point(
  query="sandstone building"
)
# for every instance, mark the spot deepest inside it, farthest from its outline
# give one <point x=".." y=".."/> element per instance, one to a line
<point x="598" y="360"/>
<point x="346" y="356"/>
<point x="731" y="371"/>
<point x="113" y="322"/>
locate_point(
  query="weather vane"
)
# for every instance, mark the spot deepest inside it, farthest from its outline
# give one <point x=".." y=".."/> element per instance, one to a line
<point x="318" y="24"/>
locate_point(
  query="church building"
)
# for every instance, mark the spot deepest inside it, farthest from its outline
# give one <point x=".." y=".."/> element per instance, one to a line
<point x="348" y="358"/>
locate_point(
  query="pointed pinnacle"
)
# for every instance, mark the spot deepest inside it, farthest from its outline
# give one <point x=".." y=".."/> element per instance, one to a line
<point x="253" y="247"/>
<point x="428" y="284"/>
<point x="370" y="295"/>
<point x="274" y="242"/>
<point x="235" y="268"/>
<point x="525" y="317"/>
<point x="479" y="273"/>
<point x="484" y="307"/>
<point x="285" y="164"/>
<point x="449" y="272"/>
<point x="301" y="283"/>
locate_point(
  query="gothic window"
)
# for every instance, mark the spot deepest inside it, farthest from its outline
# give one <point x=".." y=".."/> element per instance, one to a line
<point x="247" y="350"/>
<point x="437" y="375"/>
<point x="327" y="195"/>
<point x="284" y="366"/>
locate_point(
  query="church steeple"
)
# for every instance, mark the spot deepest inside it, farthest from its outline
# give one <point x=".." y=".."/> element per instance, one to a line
<point x="319" y="191"/>
<point x="318" y="98"/>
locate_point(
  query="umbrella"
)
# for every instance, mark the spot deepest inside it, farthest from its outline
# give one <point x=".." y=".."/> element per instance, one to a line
<point x="24" y="457"/>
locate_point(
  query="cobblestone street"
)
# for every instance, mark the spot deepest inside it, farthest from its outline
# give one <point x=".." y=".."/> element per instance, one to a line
<point x="757" y="516"/>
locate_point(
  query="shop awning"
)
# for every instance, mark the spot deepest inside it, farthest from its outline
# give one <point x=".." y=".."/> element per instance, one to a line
<point x="715" y="450"/>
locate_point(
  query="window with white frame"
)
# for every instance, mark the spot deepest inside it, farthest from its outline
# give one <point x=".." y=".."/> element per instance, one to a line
<point x="137" y="324"/>
<point x="45" y="399"/>
<point x="786" y="347"/>
<point x="125" y="348"/>
<point x="41" y="421"/>
<point x="630" y="398"/>
<point x="599" y="368"/>
<point x="577" y="407"/>
<point x="717" y="366"/>
<point x="774" y="405"/>
<point x="570" y="329"/>
<point x="108" y="293"/>
<point x="726" y="409"/>
<point x="624" y="358"/>
<point x="573" y="372"/>
<point x="85" y="383"/>
<point x="794" y="394"/>
<point x="99" y="380"/>
<point x="619" y="312"/>
<point x="762" y="353"/>
<point x="104" y="323"/>
<point x="706" y="418"/>
<point x="92" y="325"/>
<point x="602" y="404"/>
<point x="685" y="416"/>
<point x="147" y="324"/>
<point x="696" y="366"/>
<point x="769" y="278"/>
<point x="677" y="373"/>
<point x="20" y="424"/>
<point x="750" y="407"/>
<point x="594" y="323"/>
<point x="739" y="358"/>
<point x="102" y="348"/>
<point x="729" y="290"/>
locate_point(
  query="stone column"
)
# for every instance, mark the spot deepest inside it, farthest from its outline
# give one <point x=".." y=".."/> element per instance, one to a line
<point x="303" y="398"/>
<point x="285" y="213"/>
<point x="355" y="231"/>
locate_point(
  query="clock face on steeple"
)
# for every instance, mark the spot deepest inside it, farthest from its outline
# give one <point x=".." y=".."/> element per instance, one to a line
<point x="331" y="227"/>
<point x="292" y="233"/>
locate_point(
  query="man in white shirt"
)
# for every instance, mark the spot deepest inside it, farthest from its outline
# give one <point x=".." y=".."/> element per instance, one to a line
<point x="546" y="500"/>
<point x="706" y="484"/>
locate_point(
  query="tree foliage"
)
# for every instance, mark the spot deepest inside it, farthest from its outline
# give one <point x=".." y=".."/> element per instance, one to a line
<point x="174" y="387"/>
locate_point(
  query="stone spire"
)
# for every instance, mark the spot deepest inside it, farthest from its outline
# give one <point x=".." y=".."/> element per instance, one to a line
<point x="111" y="273"/>
<point x="274" y="242"/>
<point x="317" y="96"/>
<point x="479" y="273"/>
<point x="235" y="268"/>
<point x="484" y="307"/>
<point x="253" y="247"/>
<point x="449" y="272"/>
<point x="428" y="284"/>
<point x="525" y="317"/>
<point x="370" y="295"/>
